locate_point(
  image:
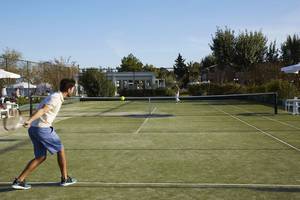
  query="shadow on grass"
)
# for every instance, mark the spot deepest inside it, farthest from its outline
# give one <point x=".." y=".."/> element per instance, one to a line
<point x="8" y="188"/>
<point x="278" y="189"/>
<point x="149" y="115"/>
<point x="260" y="188"/>
<point x="176" y="149"/>
<point x="286" y="190"/>
<point x="9" y="140"/>
<point x="13" y="147"/>
<point x="255" y="114"/>
<point x="169" y="149"/>
<point x="66" y="131"/>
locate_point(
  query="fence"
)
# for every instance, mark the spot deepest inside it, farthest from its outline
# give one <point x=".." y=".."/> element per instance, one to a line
<point x="37" y="78"/>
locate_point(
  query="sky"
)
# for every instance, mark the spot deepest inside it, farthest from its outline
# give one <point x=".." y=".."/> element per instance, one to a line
<point x="101" y="32"/>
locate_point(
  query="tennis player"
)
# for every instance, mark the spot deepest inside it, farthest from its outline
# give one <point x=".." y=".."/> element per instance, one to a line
<point x="177" y="94"/>
<point x="44" y="137"/>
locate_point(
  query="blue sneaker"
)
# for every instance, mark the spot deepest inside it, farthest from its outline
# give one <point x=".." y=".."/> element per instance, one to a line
<point x="20" y="185"/>
<point x="68" y="181"/>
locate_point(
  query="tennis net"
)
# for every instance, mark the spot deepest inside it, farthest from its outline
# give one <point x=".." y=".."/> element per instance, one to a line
<point x="262" y="103"/>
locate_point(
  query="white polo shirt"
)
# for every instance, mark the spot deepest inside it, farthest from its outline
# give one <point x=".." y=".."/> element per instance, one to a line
<point x="54" y="101"/>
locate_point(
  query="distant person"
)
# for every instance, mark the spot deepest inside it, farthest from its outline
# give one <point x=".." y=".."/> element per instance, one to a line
<point x="4" y="92"/>
<point x="3" y="95"/>
<point x="16" y="95"/>
<point x="177" y="89"/>
<point x="44" y="137"/>
<point x="2" y="98"/>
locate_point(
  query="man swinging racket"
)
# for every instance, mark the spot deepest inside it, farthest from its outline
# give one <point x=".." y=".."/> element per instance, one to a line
<point x="44" y="137"/>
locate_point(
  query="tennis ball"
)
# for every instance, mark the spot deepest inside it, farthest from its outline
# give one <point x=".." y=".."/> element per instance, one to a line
<point x="122" y="98"/>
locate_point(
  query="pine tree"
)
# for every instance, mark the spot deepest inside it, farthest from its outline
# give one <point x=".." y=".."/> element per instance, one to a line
<point x="181" y="71"/>
<point x="291" y="50"/>
<point x="272" y="53"/>
<point x="130" y="64"/>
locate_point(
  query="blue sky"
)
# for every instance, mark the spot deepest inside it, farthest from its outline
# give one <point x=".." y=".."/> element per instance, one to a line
<point x="101" y="32"/>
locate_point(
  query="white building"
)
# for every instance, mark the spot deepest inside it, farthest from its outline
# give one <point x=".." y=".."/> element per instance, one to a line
<point x="135" y="80"/>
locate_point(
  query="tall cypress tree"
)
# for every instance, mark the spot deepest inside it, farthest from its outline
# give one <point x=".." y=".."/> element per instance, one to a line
<point x="291" y="50"/>
<point x="181" y="71"/>
<point x="272" y="54"/>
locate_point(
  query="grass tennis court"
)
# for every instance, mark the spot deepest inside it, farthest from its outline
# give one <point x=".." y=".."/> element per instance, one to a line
<point x="189" y="150"/>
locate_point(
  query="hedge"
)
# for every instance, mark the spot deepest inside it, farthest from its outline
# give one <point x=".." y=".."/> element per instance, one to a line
<point x="283" y="88"/>
<point x="147" y="92"/>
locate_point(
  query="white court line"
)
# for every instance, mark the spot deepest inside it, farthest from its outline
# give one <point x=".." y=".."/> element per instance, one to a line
<point x="284" y="123"/>
<point x="166" y="184"/>
<point x="145" y="121"/>
<point x="268" y="134"/>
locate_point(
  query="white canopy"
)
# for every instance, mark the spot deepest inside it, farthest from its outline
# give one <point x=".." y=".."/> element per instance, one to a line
<point x="43" y="88"/>
<point x="22" y="85"/>
<point x="291" y="69"/>
<point x="6" y="74"/>
<point x="3" y="92"/>
<point x="44" y="85"/>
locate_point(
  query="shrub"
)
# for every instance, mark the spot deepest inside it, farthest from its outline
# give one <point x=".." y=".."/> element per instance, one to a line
<point x="199" y="89"/>
<point x="215" y="89"/>
<point x="147" y="92"/>
<point x="256" y="89"/>
<point x="95" y="83"/>
<point x="283" y="88"/>
<point x="25" y="100"/>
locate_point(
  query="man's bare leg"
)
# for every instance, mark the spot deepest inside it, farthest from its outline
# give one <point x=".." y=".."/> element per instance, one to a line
<point x="62" y="162"/>
<point x="32" y="165"/>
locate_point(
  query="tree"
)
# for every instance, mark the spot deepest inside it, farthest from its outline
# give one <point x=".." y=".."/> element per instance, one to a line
<point x="250" y="49"/>
<point x="291" y="50"/>
<point x="151" y="68"/>
<point x="206" y="64"/>
<point x="10" y="59"/>
<point x="223" y="47"/>
<point x="272" y="55"/>
<point x="193" y="71"/>
<point x="181" y="71"/>
<point x="208" y="61"/>
<point x="53" y="71"/>
<point x="130" y="64"/>
<point x="95" y="84"/>
<point x="168" y="76"/>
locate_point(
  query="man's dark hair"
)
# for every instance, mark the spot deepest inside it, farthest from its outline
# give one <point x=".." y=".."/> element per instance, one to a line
<point x="66" y="84"/>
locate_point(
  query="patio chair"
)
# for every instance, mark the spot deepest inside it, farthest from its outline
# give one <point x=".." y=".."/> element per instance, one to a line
<point x="4" y="111"/>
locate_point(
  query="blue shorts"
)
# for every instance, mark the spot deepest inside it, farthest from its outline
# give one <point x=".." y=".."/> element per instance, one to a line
<point x="44" y="139"/>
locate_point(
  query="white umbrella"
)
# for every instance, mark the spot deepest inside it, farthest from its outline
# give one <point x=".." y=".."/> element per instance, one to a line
<point x="6" y="74"/>
<point x="291" y="69"/>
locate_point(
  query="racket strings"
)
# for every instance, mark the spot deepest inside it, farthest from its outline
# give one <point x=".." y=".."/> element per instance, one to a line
<point x="13" y="121"/>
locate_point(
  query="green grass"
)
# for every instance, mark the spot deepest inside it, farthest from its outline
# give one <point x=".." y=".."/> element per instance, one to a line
<point x="198" y="143"/>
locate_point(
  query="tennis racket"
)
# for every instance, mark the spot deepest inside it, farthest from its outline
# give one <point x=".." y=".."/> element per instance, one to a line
<point x="13" y="120"/>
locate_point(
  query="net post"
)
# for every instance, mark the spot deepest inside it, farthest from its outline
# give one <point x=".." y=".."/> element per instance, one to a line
<point x="275" y="103"/>
<point x="149" y="102"/>
<point x="30" y="105"/>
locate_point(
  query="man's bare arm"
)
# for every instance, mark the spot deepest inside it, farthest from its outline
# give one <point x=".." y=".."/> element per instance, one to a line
<point x="37" y="115"/>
